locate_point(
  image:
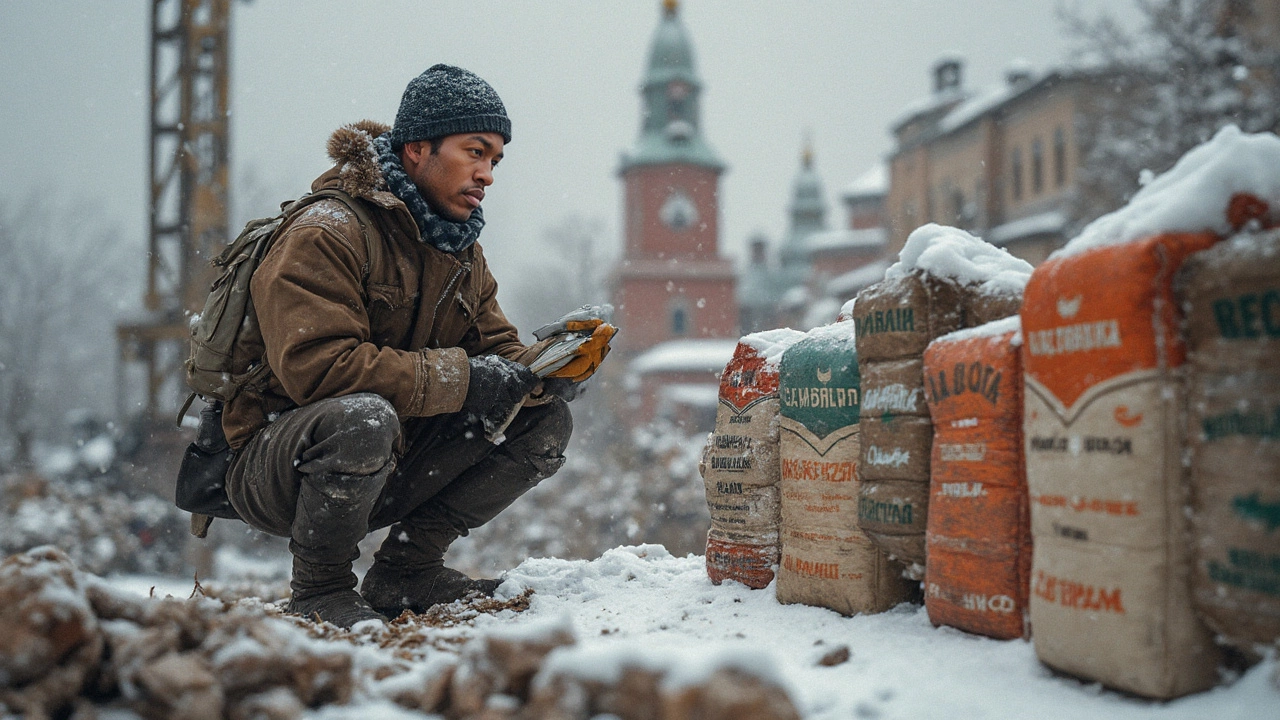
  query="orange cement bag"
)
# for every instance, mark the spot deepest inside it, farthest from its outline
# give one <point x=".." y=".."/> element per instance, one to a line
<point x="1102" y="353"/>
<point x="826" y="560"/>
<point x="1231" y="294"/>
<point x="979" y="536"/>
<point x="739" y="464"/>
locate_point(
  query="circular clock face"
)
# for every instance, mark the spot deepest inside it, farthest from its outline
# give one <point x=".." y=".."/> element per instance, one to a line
<point x="678" y="212"/>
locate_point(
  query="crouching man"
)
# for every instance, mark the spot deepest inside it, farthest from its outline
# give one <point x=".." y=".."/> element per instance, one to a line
<point x="383" y="348"/>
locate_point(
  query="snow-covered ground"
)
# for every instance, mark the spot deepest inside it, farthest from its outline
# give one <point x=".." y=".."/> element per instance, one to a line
<point x="642" y="605"/>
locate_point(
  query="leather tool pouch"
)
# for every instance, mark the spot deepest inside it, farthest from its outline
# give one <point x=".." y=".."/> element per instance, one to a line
<point x="201" y="487"/>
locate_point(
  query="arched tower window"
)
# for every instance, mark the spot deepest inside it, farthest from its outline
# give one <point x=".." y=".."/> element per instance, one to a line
<point x="680" y="320"/>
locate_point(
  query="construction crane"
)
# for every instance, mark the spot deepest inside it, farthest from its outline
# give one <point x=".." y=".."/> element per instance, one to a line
<point x="189" y="199"/>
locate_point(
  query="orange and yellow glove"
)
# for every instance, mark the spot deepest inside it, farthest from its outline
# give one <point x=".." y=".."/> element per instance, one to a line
<point x="589" y="354"/>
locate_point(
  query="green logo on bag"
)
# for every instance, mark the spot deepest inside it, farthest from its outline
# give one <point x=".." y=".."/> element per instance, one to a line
<point x="819" y="385"/>
<point x="1251" y="507"/>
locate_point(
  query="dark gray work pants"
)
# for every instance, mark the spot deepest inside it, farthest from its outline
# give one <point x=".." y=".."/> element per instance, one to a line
<point x="443" y="460"/>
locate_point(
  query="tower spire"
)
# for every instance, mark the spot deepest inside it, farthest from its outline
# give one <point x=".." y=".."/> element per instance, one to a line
<point x="670" y="7"/>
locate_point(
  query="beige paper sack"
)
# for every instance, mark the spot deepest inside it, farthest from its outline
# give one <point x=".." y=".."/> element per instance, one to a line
<point x="739" y="464"/>
<point x="1104" y="441"/>
<point x="826" y="559"/>
<point x="1231" y="294"/>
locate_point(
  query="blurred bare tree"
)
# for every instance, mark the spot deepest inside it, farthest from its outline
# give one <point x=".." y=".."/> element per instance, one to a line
<point x="64" y="280"/>
<point x="1191" y="68"/>
<point x="566" y="271"/>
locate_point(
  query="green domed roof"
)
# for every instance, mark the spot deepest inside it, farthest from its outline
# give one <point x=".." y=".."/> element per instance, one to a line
<point x="671" y="54"/>
<point x="806" y="195"/>
<point x="670" y="129"/>
<point x="808" y="216"/>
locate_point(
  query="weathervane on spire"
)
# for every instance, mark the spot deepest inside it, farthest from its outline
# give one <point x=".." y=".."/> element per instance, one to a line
<point x="670" y="7"/>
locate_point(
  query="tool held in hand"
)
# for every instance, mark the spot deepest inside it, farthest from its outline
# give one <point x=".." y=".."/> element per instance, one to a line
<point x="579" y="342"/>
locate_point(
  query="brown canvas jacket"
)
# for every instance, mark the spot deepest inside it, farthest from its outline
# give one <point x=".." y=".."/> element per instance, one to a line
<point x="406" y="334"/>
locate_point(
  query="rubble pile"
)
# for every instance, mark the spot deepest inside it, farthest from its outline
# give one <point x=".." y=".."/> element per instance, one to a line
<point x="71" y="645"/>
<point x="102" y="528"/>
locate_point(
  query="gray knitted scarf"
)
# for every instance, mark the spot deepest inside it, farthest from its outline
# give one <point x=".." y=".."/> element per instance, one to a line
<point x="438" y="232"/>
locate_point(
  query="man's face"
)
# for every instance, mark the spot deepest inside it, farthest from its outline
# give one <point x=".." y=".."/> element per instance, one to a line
<point x="452" y="180"/>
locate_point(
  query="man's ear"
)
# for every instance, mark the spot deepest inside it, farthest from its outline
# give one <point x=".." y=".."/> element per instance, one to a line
<point x="412" y="152"/>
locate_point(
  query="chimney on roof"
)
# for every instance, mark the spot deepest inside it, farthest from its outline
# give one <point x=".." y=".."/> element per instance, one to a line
<point x="946" y="75"/>
<point x="1018" y="73"/>
<point x="759" y="251"/>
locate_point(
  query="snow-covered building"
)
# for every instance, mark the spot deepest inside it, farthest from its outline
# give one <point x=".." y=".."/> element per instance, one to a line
<point x="795" y="288"/>
<point x="1001" y="162"/>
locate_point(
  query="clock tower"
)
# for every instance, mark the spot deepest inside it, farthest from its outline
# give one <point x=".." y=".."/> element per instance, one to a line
<point x="672" y="283"/>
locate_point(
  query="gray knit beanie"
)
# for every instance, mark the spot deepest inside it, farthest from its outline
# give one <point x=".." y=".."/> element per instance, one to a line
<point x="445" y="100"/>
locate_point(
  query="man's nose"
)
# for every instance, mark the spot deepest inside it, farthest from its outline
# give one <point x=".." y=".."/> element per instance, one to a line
<point x="484" y="174"/>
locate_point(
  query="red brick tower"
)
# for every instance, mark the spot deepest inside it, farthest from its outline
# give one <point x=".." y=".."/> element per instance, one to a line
<point x="672" y="283"/>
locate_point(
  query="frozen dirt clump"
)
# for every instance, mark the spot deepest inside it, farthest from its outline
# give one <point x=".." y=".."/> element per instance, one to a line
<point x="72" y="645"/>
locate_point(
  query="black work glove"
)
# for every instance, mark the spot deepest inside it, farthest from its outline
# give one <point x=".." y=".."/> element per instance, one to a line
<point x="563" y="388"/>
<point x="497" y="387"/>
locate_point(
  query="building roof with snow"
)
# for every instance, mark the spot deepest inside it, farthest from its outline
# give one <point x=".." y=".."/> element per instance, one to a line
<point x="692" y="355"/>
<point x="872" y="183"/>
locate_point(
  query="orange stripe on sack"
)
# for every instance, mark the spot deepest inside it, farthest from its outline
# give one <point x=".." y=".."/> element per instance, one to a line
<point x="1094" y="316"/>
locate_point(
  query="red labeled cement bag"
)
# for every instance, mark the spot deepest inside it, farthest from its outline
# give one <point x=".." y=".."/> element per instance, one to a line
<point x="826" y="560"/>
<point x="1231" y="296"/>
<point x="979" y="536"/>
<point x="739" y="464"/>
<point x="945" y="279"/>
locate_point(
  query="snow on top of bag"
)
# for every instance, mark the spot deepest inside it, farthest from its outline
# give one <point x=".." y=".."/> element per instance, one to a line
<point x="995" y="328"/>
<point x="846" y="310"/>
<point x="770" y="344"/>
<point x="837" y="336"/>
<point x="1194" y="194"/>
<point x="950" y="252"/>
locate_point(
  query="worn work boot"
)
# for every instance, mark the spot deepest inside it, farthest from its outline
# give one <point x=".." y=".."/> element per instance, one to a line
<point x="332" y="518"/>
<point x="408" y="571"/>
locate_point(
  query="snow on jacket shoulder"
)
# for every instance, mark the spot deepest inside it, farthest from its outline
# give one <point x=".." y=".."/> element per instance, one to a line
<point x="405" y="334"/>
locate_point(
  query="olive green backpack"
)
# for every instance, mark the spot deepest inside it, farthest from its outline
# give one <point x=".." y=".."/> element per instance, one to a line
<point x="215" y="371"/>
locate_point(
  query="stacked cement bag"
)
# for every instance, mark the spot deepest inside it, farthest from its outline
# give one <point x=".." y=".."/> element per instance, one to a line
<point x="1231" y="295"/>
<point x="979" y="536"/>
<point x="1105" y="430"/>
<point x="945" y="279"/>
<point x="740" y="463"/>
<point x="826" y="560"/>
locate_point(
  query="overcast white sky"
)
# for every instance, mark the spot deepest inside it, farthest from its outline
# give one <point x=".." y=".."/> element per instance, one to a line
<point x="73" y="79"/>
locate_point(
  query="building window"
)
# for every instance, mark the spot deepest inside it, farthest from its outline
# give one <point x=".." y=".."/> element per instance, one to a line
<point x="1037" y="167"/>
<point x="679" y="319"/>
<point x="1060" y="157"/>
<point x="1015" y="174"/>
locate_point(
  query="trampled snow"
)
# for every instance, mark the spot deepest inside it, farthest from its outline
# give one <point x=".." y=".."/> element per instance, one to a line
<point x="1194" y="194"/>
<point x="640" y="606"/>
<point x="953" y="253"/>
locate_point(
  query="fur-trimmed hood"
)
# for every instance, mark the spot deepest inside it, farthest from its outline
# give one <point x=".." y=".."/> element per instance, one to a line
<point x="356" y="161"/>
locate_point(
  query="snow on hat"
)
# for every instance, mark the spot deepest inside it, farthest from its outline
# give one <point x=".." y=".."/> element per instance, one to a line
<point x="446" y="100"/>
